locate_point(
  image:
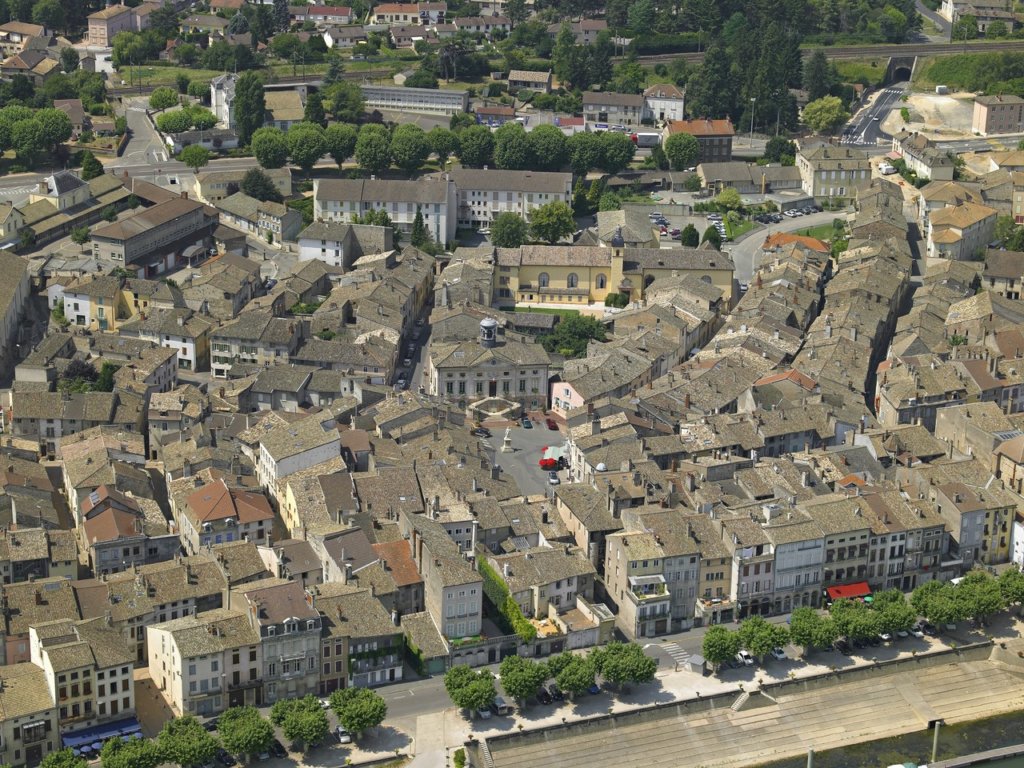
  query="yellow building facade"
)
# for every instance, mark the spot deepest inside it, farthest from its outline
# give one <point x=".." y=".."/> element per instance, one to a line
<point x="581" y="275"/>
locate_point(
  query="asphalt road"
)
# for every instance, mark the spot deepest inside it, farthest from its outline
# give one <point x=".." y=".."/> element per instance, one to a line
<point x="943" y="25"/>
<point x="865" y="128"/>
<point x="746" y="250"/>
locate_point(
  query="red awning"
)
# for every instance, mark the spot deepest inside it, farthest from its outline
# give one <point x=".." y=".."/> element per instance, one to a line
<point x="849" y="591"/>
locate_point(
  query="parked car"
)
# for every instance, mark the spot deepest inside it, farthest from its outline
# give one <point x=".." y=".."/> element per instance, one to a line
<point x="277" y="749"/>
<point x="225" y="758"/>
<point x="917" y="631"/>
<point x="886" y="636"/>
<point x="543" y="696"/>
<point x="551" y="424"/>
<point x="843" y="647"/>
<point x="556" y="692"/>
<point x="902" y="634"/>
<point x="344" y="737"/>
<point x="553" y="478"/>
<point x="778" y="654"/>
<point x="594" y="689"/>
<point x="211" y="724"/>
<point x="482" y="432"/>
<point x="527" y="424"/>
<point x="929" y="629"/>
<point x="483" y="714"/>
<point x="744" y="658"/>
<point x="501" y="707"/>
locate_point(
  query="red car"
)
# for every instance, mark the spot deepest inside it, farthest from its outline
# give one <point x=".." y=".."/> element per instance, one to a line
<point x="551" y="424"/>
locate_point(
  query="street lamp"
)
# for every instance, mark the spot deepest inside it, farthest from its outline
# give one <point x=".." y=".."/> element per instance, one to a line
<point x="753" y="101"/>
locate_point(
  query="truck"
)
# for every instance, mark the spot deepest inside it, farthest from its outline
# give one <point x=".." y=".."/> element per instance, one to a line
<point x="646" y="139"/>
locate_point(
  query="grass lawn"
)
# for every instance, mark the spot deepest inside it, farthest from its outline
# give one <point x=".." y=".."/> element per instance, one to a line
<point x="870" y="70"/>
<point x="823" y="232"/>
<point x="735" y="230"/>
<point x="166" y="75"/>
<point x="547" y="311"/>
<point x="286" y="69"/>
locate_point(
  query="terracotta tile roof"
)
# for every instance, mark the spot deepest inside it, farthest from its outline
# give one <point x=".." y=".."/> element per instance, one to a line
<point x="400" y="564"/>
<point x="218" y="502"/>
<point x="702" y="127"/>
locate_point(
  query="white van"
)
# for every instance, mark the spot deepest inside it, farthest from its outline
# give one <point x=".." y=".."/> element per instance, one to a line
<point x="501" y="707"/>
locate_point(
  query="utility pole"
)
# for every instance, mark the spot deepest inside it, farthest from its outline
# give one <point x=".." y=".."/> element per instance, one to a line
<point x="753" y="101"/>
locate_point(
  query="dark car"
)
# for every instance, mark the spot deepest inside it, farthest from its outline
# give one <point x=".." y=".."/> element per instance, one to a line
<point x="211" y="724"/>
<point x="859" y="643"/>
<point x="874" y="641"/>
<point x="929" y="629"/>
<point x="277" y="749"/>
<point x="527" y="424"/>
<point x="551" y="424"/>
<point x="225" y="758"/>
<point x="843" y="647"/>
<point x="556" y="692"/>
<point x="482" y="432"/>
<point x="543" y="696"/>
<point x="594" y="689"/>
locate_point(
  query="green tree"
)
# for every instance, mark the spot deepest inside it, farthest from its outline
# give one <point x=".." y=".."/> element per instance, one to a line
<point x="306" y="145"/>
<point x="256" y="183"/>
<point x="80" y="235"/>
<point x="980" y="596"/>
<point x="682" y="150"/>
<point x="63" y="758"/>
<point x="314" y="111"/>
<point x="586" y="152"/>
<point x="825" y="115"/>
<point x="476" y="146"/>
<point x="136" y="753"/>
<point x="1011" y="584"/>
<point x="468" y="689"/>
<point x="555" y="664"/>
<point x="443" y="143"/>
<point x="512" y="148"/>
<point x="965" y="28"/>
<point x="346" y="99"/>
<point x="729" y="199"/>
<point x="202" y="119"/>
<point x="69" y="60"/>
<point x="340" y="139"/>
<point x="609" y="201"/>
<point x="409" y="147"/>
<point x="91" y="167"/>
<point x="270" y="147"/>
<point x="522" y="677"/>
<point x="303" y="721"/>
<point x="577" y="676"/>
<point x="923" y="594"/>
<point x="720" y="645"/>
<point x="244" y="731"/>
<point x="358" y="709"/>
<point x="617" y="151"/>
<point x="199" y="90"/>
<point x="373" y="148"/>
<point x="516" y="12"/>
<point x="55" y="125"/>
<point x="641" y="16"/>
<point x="49" y="13"/>
<point x="997" y="29"/>
<point x="548" y="148"/>
<point x="460" y="121"/>
<point x="819" y="76"/>
<point x="552" y="221"/>
<point x="28" y="140"/>
<point x="174" y="122"/>
<point x="182" y="82"/>
<point x="571" y="336"/>
<point x="759" y="637"/>
<point x="621" y="663"/>
<point x="419" y="236"/>
<point x="562" y="53"/>
<point x="711" y="235"/>
<point x="250" y="106"/>
<point x="894" y="617"/>
<point x="689" y="237"/>
<point x="184" y="741"/>
<point x="163" y="98"/>
<point x="509" y="230"/>
<point x="777" y="147"/>
<point x="809" y="630"/>
<point x="195" y="156"/>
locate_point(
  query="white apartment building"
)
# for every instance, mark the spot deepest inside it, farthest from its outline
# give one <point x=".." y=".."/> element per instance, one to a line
<point x="339" y="245"/>
<point x="961" y="232"/>
<point x="293" y="447"/>
<point x="483" y="194"/>
<point x="435" y="101"/>
<point x="204" y="664"/>
<point x="342" y="199"/>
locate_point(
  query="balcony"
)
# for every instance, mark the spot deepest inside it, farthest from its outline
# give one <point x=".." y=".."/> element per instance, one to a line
<point x="648" y="589"/>
<point x="551" y="291"/>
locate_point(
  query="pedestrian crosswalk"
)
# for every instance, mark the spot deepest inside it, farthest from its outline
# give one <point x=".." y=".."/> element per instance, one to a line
<point x="679" y="655"/>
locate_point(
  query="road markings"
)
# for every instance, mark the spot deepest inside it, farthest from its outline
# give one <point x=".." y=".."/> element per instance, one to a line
<point x="678" y="653"/>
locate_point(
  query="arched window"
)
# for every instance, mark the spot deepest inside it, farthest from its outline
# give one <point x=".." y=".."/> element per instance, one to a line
<point x="542" y="280"/>
<point x="602" y="282"/>
<point x="706" y="279"/>
<point x="572" y="281"/>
